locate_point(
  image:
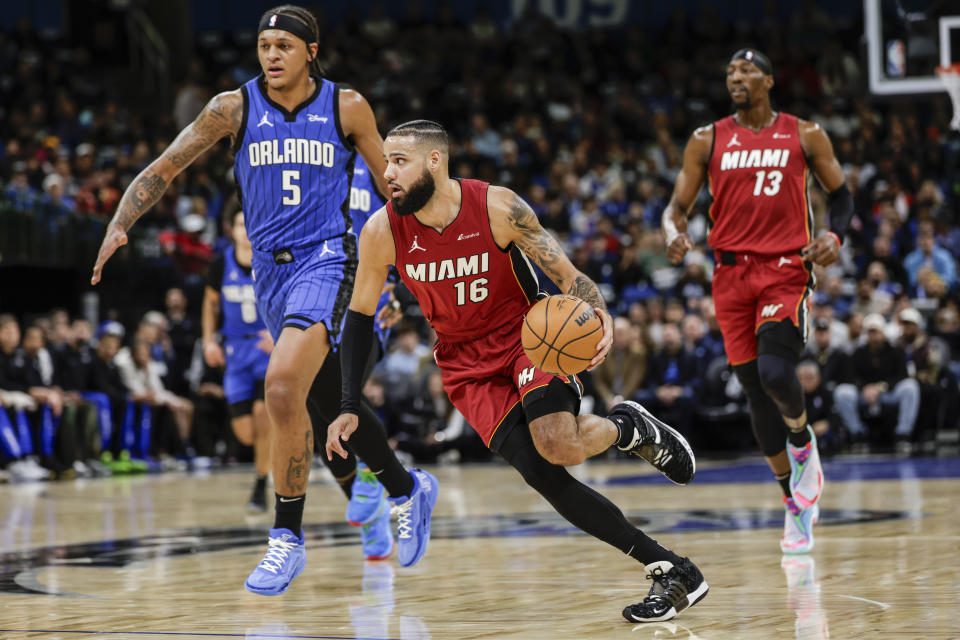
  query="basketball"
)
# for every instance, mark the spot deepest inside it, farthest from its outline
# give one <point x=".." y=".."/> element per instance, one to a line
<point x="560" y="334"/>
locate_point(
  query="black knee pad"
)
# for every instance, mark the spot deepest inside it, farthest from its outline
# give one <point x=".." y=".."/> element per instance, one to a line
<point x="780" y="339"/>
<point x="749" y="377"/>
<point x="560" y="395"/>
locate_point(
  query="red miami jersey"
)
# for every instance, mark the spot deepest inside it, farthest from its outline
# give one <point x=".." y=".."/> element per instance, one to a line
<point x="466" y="284"/>
<point x="758" y="181"/>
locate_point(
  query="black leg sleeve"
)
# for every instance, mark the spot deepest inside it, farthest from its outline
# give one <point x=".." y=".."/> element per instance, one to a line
<point x="368" y="442"/>
<point x="579" y="504"/>
<point x="768" y="426"/>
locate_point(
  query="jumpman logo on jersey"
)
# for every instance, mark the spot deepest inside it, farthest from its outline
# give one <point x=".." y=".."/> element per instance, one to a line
<point x="415" y="246"/>
<point x="784" y="261"/>
<point x="734" y="142"/>
<point x="264" y="120"/>
<point x="326" y="250"/>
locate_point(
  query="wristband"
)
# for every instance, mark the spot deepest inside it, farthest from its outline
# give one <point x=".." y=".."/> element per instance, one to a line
<point x="835" y="237"/>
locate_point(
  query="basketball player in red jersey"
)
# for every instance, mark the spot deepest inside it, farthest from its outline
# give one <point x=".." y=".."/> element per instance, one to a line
<point x="461" y="248"/>
<point x="756" y="162"/>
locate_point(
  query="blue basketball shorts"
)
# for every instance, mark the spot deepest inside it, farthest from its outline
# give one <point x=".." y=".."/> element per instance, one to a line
<point x="301" y="286"/>
<point x="246" y="369"/>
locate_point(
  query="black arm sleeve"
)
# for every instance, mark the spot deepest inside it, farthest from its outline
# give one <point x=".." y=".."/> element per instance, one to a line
<point x="840" y="210"/>
<point x="215" y="273"/>
<point x="355" y="344"/>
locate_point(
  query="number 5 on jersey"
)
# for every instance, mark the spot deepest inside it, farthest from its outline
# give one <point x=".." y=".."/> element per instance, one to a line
<point x="291" y="179"/>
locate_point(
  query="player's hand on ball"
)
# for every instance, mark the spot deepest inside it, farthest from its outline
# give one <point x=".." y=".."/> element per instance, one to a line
<point x="342" y="427"/>
<point x="823" y="251"/>
<point x="115" y="238"/>
<point x="678" y="248"/>
<point x="603" y="347"/>
<point x="213" y="354"/>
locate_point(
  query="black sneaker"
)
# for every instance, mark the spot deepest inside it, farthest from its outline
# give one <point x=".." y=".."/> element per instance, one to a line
<point x="674" y="588"/>
<point x="258" y="499"/>
<point x="659" y="444"/>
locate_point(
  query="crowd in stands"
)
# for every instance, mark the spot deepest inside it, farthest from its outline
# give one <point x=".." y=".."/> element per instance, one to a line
<point x="589" y="127"/>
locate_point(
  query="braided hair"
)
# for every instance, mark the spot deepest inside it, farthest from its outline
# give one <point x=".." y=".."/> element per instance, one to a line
<point x="306" y="17"/>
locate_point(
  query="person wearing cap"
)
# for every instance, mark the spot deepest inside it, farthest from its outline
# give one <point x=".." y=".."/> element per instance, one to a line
<point x="757" y="161"/>
<point x="927" y="363"/>
<point x="880" y="380"/>
<point x="295" y="135"/>
<point x="832" y="361"/>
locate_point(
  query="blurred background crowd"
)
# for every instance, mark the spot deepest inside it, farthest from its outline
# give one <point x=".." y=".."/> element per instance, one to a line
<point x="587" y="124"/>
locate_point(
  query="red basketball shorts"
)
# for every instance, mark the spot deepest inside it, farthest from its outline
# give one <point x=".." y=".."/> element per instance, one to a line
<point x="756" y="290"/>
<point x="489" y="378"/>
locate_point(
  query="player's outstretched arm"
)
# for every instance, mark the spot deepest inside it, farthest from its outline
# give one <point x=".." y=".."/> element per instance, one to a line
<point x="512" y="220"/>
<point x="825" y="250"/>
<point x="377" y="253"/>
<point x="359" y="123"/>
<point x="220" y="117"/>
<point x="694" y="170"/>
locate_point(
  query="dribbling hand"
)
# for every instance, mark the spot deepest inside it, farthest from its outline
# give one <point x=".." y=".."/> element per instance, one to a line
<point x="603" y="347"/>
<point x="115" y="238"/>
<point x="341" y="428"/>
<point x="678" y="248"/>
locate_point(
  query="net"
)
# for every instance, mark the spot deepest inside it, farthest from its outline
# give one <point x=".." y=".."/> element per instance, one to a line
<point x="950" y="76"/>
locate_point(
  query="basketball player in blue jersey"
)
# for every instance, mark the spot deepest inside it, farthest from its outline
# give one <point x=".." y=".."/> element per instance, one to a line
<point x="229" y="301"/>
<point x="295" y="137"/>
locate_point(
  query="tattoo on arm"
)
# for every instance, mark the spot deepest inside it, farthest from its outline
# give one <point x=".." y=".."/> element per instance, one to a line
<point x="140" y="196"/>
<point x="221" y="117"/>
<point x="298" y="471"/>
<point x="584" y="288"/>
<point x="548" y="254"/>
<point x="534" y="239"/>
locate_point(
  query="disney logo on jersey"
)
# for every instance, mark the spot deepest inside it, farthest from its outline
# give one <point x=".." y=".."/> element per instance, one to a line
<point x="291" y="151"/>
<point x="312" y="117"/>
<point x="747" y="159"/>
<point x="449" y="269"/>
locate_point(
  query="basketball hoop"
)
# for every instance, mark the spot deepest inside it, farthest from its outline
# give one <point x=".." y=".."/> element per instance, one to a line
<point x="950" y="76"/>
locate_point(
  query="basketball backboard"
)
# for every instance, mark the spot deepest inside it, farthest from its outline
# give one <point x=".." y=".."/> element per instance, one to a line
<point x="906" y="40"/>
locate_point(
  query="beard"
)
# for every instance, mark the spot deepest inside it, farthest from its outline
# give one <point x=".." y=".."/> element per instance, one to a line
<point x="417" y="196"/>
<point x="742" y="104"/>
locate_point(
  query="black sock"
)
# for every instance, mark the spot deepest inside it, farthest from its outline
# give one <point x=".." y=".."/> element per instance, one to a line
<point x="290" y="513"/>
<point x="625" y="427"/>
<point x="346" y="484"/>
<point x="260" y="484"/>
<point x="784" y="481"/>
<point x="647" y="550"/>
<point x="799" y="439"/>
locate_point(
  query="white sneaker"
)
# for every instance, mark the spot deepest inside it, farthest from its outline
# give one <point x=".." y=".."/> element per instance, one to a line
<point x="82" y="470"/>
<point x="798" y="527"/>
<point x="806" y="472"/>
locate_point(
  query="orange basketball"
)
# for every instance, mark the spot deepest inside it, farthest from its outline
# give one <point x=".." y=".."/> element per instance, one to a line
<point x="560" y="335"/>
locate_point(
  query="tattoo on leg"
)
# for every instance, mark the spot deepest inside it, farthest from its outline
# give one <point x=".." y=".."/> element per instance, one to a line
<point x="299" y="468"/>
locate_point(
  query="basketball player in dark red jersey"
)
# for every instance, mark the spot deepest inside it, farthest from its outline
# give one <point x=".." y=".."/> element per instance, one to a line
<point x="757" y="162"/>
<point x="461" y="248"/>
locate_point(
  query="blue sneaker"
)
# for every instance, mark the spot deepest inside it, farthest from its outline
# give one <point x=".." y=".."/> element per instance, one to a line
<point x="367" y="497"/>
<point x="284" y="561"/>
<point x="413" y="517"/>
<point x="377" y="535"/>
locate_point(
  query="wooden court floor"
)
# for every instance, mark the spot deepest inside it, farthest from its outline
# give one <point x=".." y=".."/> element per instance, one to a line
<point x="165" y="556"/>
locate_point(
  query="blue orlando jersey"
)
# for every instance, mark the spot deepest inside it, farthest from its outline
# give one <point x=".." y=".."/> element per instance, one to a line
<point x="239" y="304"/>
<point x="364" y="198"/>
<point x="364" y="202"/>
<point x="293" y="168"/>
